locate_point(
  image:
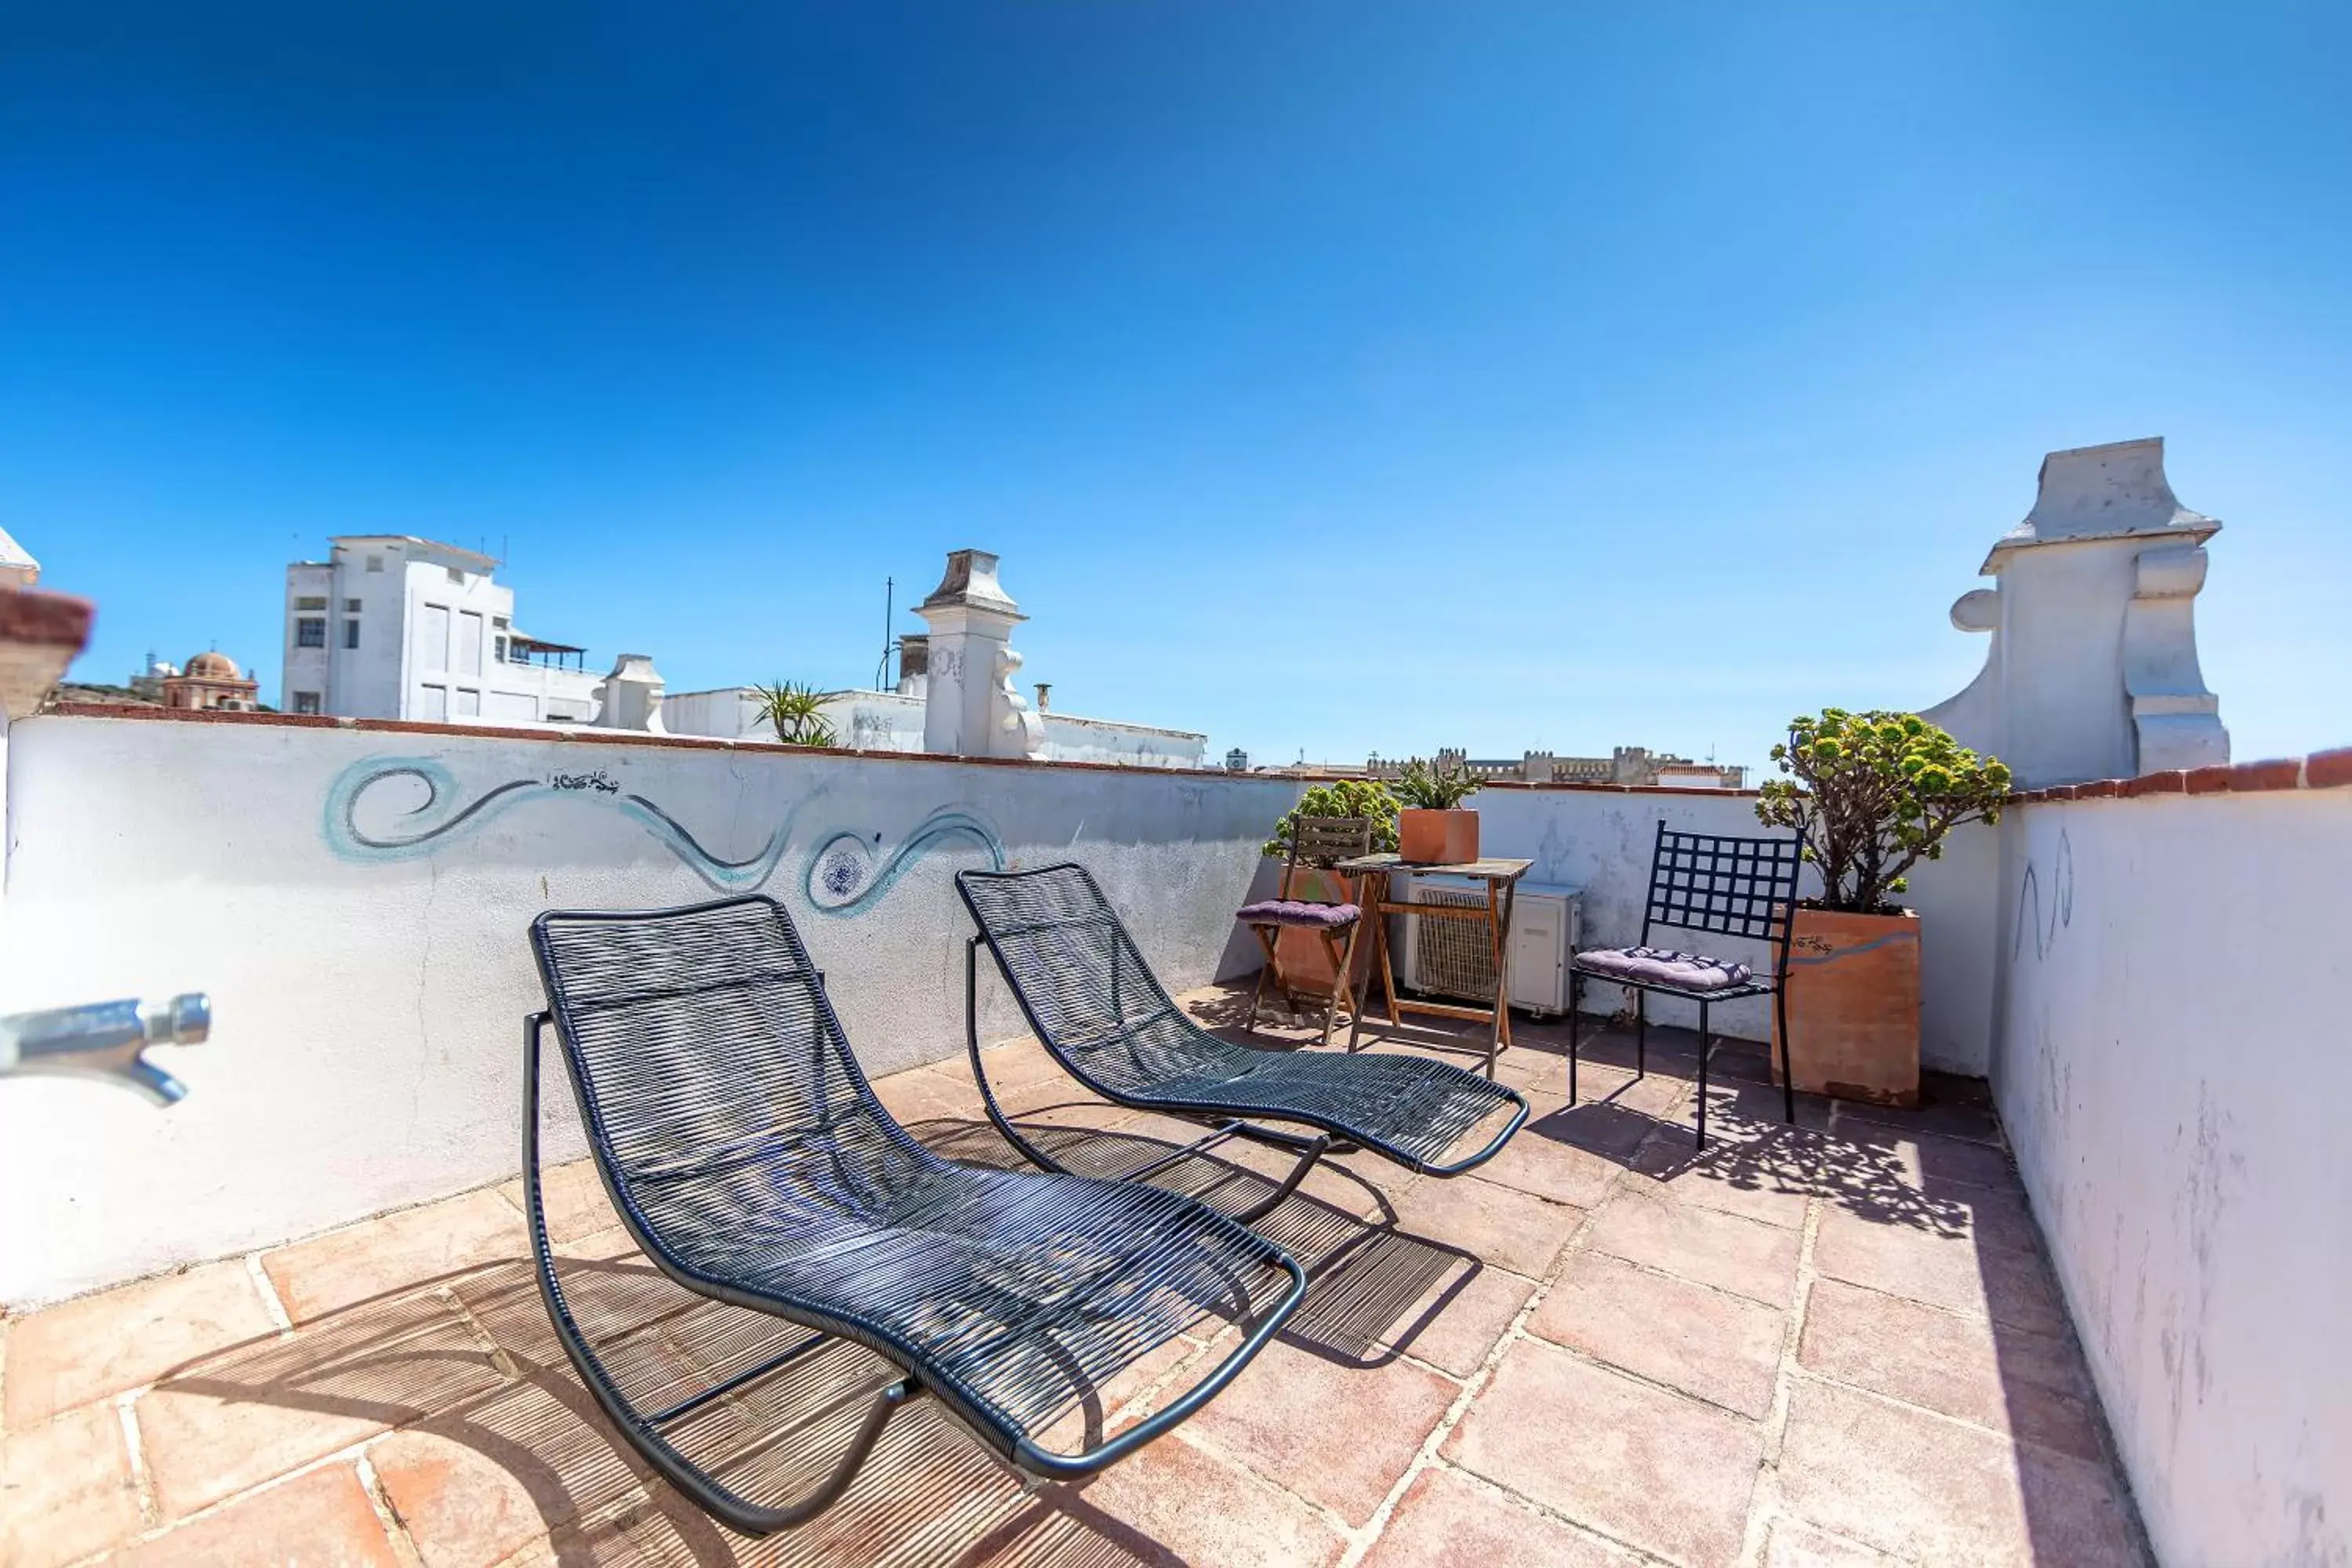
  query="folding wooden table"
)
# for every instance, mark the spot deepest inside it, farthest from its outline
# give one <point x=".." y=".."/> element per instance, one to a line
<point x="1501" y="879"/>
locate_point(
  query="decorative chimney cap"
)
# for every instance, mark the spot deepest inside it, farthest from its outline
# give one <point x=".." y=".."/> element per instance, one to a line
<point x="2114" y="491"/>
<point x="971" y="581"/>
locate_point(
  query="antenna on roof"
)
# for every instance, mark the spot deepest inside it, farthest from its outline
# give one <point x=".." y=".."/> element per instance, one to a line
<point x="889" y="605"/>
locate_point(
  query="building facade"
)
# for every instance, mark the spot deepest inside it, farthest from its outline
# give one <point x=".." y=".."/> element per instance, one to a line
<point x="211" y="680"/>
<point x="391" y="626"/>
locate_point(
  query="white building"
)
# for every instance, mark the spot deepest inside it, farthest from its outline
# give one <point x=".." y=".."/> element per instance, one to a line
<point x="955" y="696"/>
<point x="391" y="626"/>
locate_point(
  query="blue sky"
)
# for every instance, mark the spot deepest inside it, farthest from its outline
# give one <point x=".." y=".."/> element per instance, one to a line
<point x="1329" y="377"/>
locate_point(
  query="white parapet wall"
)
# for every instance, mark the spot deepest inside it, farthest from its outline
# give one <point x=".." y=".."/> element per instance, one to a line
<point x="356" y="900"/>
<point x="2173" y="1071"/>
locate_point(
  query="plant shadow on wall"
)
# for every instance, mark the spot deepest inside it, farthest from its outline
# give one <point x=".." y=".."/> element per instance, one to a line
<point x="372" y="816"/>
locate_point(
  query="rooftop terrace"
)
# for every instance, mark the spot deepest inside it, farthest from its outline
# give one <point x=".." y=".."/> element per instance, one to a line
<point x="1839" y="1342"/>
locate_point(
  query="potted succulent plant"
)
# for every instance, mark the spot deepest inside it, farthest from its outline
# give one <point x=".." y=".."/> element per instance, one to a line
<point x="1432" y="828"/>
<point x="1874" y="793"/>
<point x="1304" y="957"/>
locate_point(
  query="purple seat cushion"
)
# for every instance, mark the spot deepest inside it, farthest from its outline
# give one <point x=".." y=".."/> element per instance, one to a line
<point x="1658" y="967"/>
<point x="1298" y="912"/>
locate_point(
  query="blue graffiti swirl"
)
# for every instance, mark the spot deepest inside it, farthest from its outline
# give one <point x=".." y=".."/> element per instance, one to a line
<point x="426" y="828"/>
<point x="846" y="879"/>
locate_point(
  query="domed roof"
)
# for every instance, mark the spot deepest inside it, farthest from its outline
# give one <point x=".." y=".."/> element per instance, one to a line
<point x="213" y="667"/>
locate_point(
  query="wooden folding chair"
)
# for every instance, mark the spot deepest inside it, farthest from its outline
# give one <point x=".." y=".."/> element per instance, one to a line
<point x="1317" y="842"/>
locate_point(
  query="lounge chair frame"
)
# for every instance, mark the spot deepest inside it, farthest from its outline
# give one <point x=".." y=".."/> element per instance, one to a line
<point x="1716" y="885"/>
<point x="1332" y="1132"/>
<point x="644" y="1430"/>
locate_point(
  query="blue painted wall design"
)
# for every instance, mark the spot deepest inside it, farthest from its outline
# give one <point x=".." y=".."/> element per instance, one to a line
<point x="848" y="874"/>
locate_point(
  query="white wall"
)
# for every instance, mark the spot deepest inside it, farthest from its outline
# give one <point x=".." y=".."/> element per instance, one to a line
<point x="363" y="938"/>
<point x="2174" y="1070"/>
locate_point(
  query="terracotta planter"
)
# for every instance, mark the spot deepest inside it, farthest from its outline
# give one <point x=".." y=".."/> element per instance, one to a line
<point x="1437" y="838"/>
<point x="1305" y="960"/>
<point x="1854" y="1006"/>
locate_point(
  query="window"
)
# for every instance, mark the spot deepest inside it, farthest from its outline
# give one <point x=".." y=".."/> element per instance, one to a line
<point x="310" y="631"/>
<point x="375" y="563"/>
<point x="499" y="622"/>
<point x="455" y="576"/>
<point x="310" y="604"/>
<point x="306" y="703"/>
<point x="433" y="636"/>
<point x="351" y="606"/>
<point x="498" y="649"/>
<point x="468" y="704"/>
<point x="351" y="634"/>
<point x="433" y="704"/>
<point x="469" y="642"/>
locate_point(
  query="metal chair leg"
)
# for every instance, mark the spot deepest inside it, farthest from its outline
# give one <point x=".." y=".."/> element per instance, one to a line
<point x="1788" y="1071"/>
<point x="1575" y="991"/>
<point x="1701" y="1074"/>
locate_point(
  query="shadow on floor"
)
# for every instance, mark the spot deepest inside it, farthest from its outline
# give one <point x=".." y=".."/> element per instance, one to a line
<point x="469" y="1361"/>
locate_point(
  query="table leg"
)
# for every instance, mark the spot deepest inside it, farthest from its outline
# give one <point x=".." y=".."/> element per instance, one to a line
<point x="1502" y="999"/>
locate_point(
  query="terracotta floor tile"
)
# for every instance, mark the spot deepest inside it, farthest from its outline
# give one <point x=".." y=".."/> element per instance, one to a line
<point x="396" y="1252"/>
<point x="1547" y="1158"/>
<point x="1742" y="1256"/>
<point x="115" y="1340"/>
<point x="1446" y="1521"/>
<point x="1724" y="1348"/>
<point x="1957" y="1272"/>
<point x="1211" y="1513"/>
<point x="576" y="1202"/>
<point x="1932" y="1491"/>
<point x="65" y="1488"/>
<point x="1335" y="1435"/>
<point x="1924" y="1157"/>
<point x="322" y="1520"/>
<point x="1664" y="1473"/>
<point x="1508" y="1228"/>
<point x="1793" y="1543"/>
<point x="1455" y="1325"/>
<point x="236" y="1420"/>
<point x="2031" y="1385"/>
<point x="478" y="1483"/>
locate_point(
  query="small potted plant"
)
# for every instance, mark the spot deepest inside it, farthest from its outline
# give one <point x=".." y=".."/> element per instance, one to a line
<point x="1874" y="794"/>
<point x="1432" y="828"/>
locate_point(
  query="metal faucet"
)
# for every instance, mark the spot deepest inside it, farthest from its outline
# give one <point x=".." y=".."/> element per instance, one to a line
<point x="105" y="1039"/>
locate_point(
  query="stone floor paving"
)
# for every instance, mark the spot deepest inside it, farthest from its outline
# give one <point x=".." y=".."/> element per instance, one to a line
<point x="1837" y="1343"/>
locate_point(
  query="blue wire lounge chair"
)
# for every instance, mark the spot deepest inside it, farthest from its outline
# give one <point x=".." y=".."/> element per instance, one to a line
<point x="1095" y="1005"/>
<point x="750" y="1159"/>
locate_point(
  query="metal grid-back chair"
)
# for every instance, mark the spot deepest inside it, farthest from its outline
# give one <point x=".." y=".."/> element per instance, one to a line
<point x="749" y="1157"/>
<point x="1716" y="885"/>
<point x="1100" y="1011"/>
<point x="1317" y="842"/>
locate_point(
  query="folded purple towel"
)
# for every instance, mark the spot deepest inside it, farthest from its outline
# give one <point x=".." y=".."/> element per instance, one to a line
<point x="1658" y="967"/>
<point x="1298" y="912"/>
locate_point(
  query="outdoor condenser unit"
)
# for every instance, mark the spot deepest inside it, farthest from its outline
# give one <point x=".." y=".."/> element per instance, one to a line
<point x="1448" y="957"/>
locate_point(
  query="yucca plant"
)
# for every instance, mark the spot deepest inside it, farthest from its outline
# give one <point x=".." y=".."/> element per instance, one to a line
<point x="797" y="714"/>
<point x="1874" y="794"/>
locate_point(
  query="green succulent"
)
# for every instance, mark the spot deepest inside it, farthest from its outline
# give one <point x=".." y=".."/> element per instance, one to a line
<point x="1342" y="797"/>
<point x="1440" y="788"/>
<point x="1874" y="794"/>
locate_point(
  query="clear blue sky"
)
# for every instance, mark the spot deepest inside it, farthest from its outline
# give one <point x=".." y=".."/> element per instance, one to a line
<point x="1647" y="372"/>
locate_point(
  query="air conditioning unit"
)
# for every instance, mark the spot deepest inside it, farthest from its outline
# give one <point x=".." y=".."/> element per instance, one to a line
<point x="1450" y="957"/>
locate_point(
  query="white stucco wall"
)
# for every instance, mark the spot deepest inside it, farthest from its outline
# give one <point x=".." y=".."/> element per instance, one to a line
<point x="369" y="999"/>
<point x="2172" y="1070"/>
